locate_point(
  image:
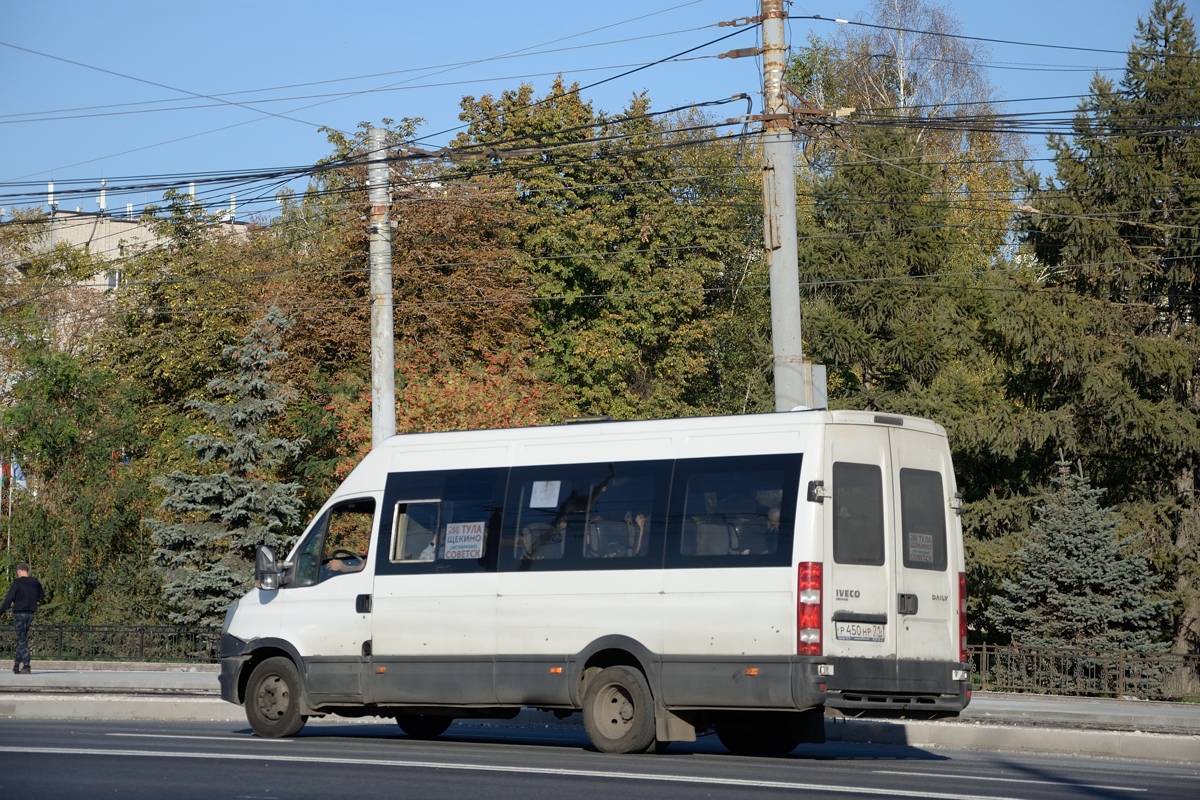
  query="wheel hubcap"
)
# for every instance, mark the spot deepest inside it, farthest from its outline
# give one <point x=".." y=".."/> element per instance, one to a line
<point x="273" y="698"/>
<point x="615" y="712"/>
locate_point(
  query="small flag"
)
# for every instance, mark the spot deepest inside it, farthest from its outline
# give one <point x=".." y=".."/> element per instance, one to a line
<point x="19" y="477"/>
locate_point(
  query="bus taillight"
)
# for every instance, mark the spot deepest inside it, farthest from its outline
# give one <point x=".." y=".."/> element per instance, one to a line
<point x="808" y="609"/>
<point x="962" y="617"/>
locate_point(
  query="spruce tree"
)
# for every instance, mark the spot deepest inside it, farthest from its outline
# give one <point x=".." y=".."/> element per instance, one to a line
<point x="210" y="525"/>
<point x="876" y="232"/>
<point x="1107" y="364"/>
<point x="1078" y="584"/>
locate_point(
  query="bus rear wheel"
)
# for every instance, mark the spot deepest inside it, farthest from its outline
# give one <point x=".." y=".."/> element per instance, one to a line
<point x="423" y="726"/>
<point x="761" y="734"/>
<point x="618" y="711"/>
<point x="273" y="699"/>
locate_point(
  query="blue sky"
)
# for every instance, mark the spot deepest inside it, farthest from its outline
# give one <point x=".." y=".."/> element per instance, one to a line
<point x="151" y="87"/>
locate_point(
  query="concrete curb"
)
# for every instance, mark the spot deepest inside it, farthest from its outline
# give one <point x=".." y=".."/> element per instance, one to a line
<point x="121" y="666"/>
<point x="1021" y="739"/>
<point x="99" y="707"/>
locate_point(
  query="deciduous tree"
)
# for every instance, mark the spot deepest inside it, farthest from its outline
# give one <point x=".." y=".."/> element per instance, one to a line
<point x="633" y="244"/>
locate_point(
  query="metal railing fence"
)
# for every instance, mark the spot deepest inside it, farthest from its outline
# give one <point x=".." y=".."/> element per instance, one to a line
<point x="997" y="668"/>
<point x="1077" y="671"/>
<point x="173" y="643"/>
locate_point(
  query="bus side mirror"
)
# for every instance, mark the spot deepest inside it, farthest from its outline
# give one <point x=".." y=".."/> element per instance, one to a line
<point x="266" y="574"/>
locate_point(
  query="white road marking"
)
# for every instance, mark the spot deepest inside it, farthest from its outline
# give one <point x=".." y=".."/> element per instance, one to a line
<point x="203" y="738"/>
<point x="1071" y="784"/>
<point x="449" y="765"/>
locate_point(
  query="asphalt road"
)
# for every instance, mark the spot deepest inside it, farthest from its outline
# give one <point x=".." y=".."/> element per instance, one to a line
<point x="74" y="759"/>
<point x="1122" y="729"/>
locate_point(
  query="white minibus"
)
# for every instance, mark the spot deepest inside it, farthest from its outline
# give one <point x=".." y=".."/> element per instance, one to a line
<point x="664" y="577"/>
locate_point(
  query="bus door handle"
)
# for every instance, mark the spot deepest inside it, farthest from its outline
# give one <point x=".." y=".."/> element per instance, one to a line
<point x="362" y="604"/>
<point x="906" y="604"/>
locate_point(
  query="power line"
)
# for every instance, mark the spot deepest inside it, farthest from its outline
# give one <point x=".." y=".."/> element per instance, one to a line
<point x="947" y="35"/>
<point x="627" y="73"/>
<point x="129" y="184"/>
<point x="313" y="105"/>
<point x="156" y="83"/>
<point x="223" y="95"/>
<point x="60" y="116"/>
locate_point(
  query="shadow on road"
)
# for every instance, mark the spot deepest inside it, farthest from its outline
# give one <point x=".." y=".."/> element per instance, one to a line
<point x="567" y="736"/>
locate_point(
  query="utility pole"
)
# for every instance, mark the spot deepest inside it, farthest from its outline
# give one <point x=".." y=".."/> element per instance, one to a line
<point x="383" y="348"/>
<point x="797" y="383"/>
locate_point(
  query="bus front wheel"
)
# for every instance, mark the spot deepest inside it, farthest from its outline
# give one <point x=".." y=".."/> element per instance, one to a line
<point x="618" y="711"/>
<point x="273" y="700"/>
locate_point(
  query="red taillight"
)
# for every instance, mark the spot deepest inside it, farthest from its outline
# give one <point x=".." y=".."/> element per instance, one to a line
<point x="808" y="609"/>
<point x="962" y="617"/>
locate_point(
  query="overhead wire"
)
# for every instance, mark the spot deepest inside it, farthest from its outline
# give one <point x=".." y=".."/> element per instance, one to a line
<point x="58" y="117"/>
<point x="306" y="84"/>
<point x="614" y="77"/>
<point x="324" y="102"/>
<point x="118" y="185"/>
<point x="578" y="89"/>
<point x="219" y="101"/>
<point x="985" y="39"/>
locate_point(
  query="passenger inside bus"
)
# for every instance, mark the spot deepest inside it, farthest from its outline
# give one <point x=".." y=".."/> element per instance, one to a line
<point x="638" y="526"/>
<point x="736" y="514"/>
<point x="429" y="552"/>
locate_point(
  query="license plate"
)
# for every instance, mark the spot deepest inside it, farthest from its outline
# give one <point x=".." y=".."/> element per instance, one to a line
<point x="858" y="631"/>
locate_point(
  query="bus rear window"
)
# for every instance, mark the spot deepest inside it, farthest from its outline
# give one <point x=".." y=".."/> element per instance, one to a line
<point x="858" y="514"/>
<point x="923" y="515"/>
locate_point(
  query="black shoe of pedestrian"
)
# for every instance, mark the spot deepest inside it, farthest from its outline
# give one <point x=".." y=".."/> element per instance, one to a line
<point x="16" y="669"/>
<point x="25" y="670"/>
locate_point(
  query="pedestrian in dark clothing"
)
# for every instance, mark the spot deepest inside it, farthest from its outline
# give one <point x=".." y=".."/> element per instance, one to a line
<point x="23" y="595"/>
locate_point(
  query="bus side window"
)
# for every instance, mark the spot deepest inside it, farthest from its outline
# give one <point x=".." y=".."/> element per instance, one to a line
<point x="307" y="562"/>
<point x="740" y="518"/>
<point x="604" y="515"/>
<point x="443" y="520"/>
<point x="415" y="531"/>
<point x="548" y="509"/>
<point x="336" y="543"/>
<point x="619" y="517"/>
<point x="347" y="538"/>
<point x="734" y="511"/>
<point x="858" y="514"/>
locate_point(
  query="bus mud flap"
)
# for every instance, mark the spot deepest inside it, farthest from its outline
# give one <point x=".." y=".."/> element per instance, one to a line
<point x="670" y="727"/>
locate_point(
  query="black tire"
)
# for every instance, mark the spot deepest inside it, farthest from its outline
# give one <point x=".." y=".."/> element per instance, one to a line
<point x="423" y="726"/>
<point x="762" y="734"/>
<point x="273" y="699"/>
<point x="618" y="711"/>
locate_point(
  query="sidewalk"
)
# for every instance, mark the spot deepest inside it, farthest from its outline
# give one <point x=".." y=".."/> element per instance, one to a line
<point x="1004" y="722"/>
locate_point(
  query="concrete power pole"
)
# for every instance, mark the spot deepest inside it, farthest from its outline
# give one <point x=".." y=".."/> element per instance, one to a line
<point x="797" y="383"/>
<point x="383" y="355"/>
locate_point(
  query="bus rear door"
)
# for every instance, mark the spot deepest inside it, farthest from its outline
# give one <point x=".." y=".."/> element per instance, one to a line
<point x="927" y="550"/>
<point x="859" y="596"/>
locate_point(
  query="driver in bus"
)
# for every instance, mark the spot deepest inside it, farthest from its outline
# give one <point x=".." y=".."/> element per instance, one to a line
<point x="341" y="564"/>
